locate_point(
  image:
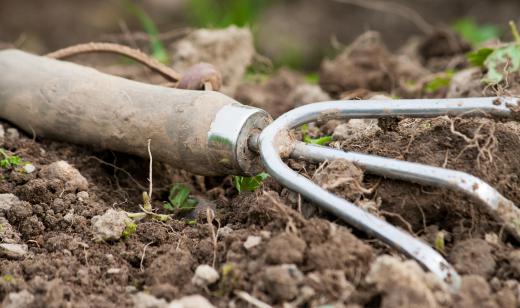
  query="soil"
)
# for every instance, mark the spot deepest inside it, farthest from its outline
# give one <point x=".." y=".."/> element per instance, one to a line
<point x="303" y="256"/>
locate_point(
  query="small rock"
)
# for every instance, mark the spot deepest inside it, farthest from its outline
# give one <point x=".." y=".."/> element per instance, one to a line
<point x="145" y="300"/>
<point x="110" y="226"/>
<point x="281" y="281"/>
<point x="113" y="271"/>
<point x="70" y="217"/>
<point x="252" y="241"/>
<point x="63" y="171"/>
<point x="13" y="251"/>
<point x="6" y="202"/>
<point x="7" y="233"/>
<point x="473" y="256"/>
<point x="20" y="299"/>
<point x="356" y="129"/>
<point x="225" y="231"/>
<point x="82" y="196"/>
<point x="285" y="248"/>
<point x="12" y="134"/>
<point x="2" y="134"/>
<point x="191" y="301"/>
<point x="29" y="168"/>
<point x="205" y="275"/>
<point x="466" y="83"/>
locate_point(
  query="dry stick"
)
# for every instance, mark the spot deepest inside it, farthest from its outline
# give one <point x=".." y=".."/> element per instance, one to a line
<point x="165" y="71"/>
<point x="150" y="168"/>
<point x="210" y="216"/>
<point x="393" y="8"/>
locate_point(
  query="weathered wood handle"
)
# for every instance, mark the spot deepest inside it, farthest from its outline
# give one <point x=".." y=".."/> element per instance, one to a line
<point x="203" y="132"/>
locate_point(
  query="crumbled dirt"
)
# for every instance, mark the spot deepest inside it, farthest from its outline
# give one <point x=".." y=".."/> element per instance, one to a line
<point x="305" y="257"/>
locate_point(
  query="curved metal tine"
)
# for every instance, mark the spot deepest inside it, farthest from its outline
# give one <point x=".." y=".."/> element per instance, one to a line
<point x="273" y="142"/>
<point x="497" y="205"/>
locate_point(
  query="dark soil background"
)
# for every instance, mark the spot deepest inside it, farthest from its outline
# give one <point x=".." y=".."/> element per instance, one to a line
<point x="269" y="244"/>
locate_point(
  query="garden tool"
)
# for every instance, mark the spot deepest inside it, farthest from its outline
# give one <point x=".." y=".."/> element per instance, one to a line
<point x="208" y="133"/>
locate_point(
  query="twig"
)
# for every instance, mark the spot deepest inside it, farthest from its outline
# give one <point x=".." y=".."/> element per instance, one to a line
<point x="210" y="216"/>
<point x="165" y="71"/>
<point x="141" y="267"/>
<point x="393" y="8"/>
<point x="150" y="168"/>
<point x="251" y="300"/>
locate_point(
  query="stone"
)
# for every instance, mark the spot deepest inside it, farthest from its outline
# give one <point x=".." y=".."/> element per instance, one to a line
<point x="191" y="301"/>
<point x="145" y="300"/>
<point x="8" y="233"/>
<point x="63" y="171"/>
<point x="252" y="241"/>
<point x="22" y="299"/>
<point x="6" y="202"/>
<point x="82" y="196"/>
<point x="29" y="168"/>
<point x="110" y="226"/>
<point x="205" y="275"/>
<point x="13" y="251"/>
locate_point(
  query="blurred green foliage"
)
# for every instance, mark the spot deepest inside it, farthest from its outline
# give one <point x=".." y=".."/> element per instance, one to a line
<point x="223" y="13"/>
<point x="475" y="33"/>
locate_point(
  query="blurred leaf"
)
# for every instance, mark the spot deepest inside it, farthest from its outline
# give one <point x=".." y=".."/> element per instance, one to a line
<point x="439" y="82"/>
<point x="223" y="13"/>
<point x="159" y="52"/>
<point x="319" y="141"/>
<point x="500" y="62"/>
<point x="244" y="183"/>
<point x="478" y="57"/>
<point x="474" y="33"/>
<point x="179" y="199"/>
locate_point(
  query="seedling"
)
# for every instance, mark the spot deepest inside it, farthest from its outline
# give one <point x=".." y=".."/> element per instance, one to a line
<point x="9" y="161"/>
<point x="439" y="242"/>
<point x="319" y="141"/>
<point x="251" y="183"/>
<point x="179" y="199"/>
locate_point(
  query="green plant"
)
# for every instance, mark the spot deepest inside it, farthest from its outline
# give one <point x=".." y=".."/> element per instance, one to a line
<point x="129" y="230"/>
<point x="179" y="199"/>
<point x="159" y="52"/>
<point x="474" y="33"/>
<point x="223" y="13"/>
<point x="498" y="61"/>
<point x="307" y="139"/>
<point x="249" y="183"/>
<point x="439" y="242"/>
<point x="9" y="161"/>
<point x="439" y="82"/>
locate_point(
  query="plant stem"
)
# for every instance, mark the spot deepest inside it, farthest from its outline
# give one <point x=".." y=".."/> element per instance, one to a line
<point x="514" y="31"/>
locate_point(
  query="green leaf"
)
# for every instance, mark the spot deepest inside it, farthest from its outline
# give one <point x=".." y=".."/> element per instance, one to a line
<point x="500" y="62"/>
<point x="319" y="141"/>
<point x="179" y="199"/>
<point x="437" y="84"/>
<point x="478" y="57"/>
<point x="129" y="230"/>
<point x="474" y="33"/>
<point x="244" y="183"/>
<point x="158" y="50"/>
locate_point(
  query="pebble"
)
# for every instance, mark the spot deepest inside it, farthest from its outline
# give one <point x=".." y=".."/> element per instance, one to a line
<point x="145" y="300"/>
<point x="191" y="301"/>
<point x="63" y="171"/>
<point x="82" y="196"/>
<point x="13" y="251"/>
<point x="12" y="134"/>
<point x="205" y="275"/>
<point x="252" y="241"/>
<point x="109" y="226"/>
<point x="113" y="271"/>
<point x="18" y="299"/>
<point x="29" y="168"/>
<point x="225" y="231"/>
<point x="6" y="202"/>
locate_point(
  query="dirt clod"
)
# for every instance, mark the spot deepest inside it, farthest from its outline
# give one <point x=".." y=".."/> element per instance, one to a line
<point x="18" y="299"/>
<point x="110" y="226"/>
<point x="473" y="256"/>
<point x="281" y="281"/>
<point x="205" y="275"/>
<point x="285" y="248"/>
<point x="342" y="177"/>
<point x="63" y="171"/>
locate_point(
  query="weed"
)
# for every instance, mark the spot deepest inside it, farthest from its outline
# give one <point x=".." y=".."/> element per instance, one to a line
<point x="9" y="161"/>
<point x="179" y="199"/>
<point x="478" y="57"/>
<point x="7" y="278"/>
<point x="474" y="33"/>
<point x="191" y="222"/>
<point x="319" y="141"/>
<point x="158" y="50"/>
<point x="249" y="183"/>
<point x="220" y="14"/>
<point x="439" y="242"/>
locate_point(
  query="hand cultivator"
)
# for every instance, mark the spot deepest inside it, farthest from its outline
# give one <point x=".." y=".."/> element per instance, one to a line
<point x="208" y="133"/>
